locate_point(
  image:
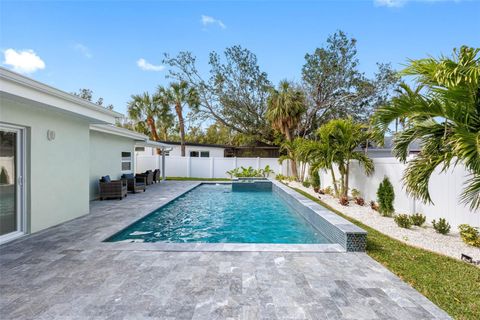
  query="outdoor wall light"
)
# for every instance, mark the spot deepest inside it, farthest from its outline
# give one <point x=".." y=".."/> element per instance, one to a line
<point x="50" y="135"/>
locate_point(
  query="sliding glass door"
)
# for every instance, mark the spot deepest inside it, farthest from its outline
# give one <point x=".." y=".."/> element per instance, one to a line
<point x="12" y="222"/>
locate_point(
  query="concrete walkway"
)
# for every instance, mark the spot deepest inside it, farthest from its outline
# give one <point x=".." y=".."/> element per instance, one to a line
<point x="66" y="272"/>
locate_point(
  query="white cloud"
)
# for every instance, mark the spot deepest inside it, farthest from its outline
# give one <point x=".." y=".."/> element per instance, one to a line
<point x="146" y="66"/>
<point x="83" y="50"/>
<point x="23" y="61"/>
<point x="401" y="3"/>
<point x="207" y="20"/>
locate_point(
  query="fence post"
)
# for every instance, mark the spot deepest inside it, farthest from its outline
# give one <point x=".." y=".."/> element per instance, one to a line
<point x="235" y="163"/>
<point x="188" y="166"/>
<point x="212" y="167"/>
<point x="258" y="163"/>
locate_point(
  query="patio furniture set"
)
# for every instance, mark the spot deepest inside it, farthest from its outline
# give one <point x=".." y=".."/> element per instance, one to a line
<point x="134" y="183"/>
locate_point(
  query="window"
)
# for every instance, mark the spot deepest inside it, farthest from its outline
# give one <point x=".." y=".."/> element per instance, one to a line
<point x="140" y="149"/>
<point x="202" y="154"/>
<point x="126" y="161"/>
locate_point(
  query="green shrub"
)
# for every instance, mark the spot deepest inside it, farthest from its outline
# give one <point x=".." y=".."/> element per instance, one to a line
<point x="306" y="184"/>
<point x="385" y="197"/>
<point x="442" y="226"/>
<point x="314" y="179"/>
<point x="328" y="190"/>
<point x="418" y="219"/>
<point x="403" y="221"/>
<point x="355" y="193"/>
<point x="280" y="177"/>
<point x="470" y="235"/>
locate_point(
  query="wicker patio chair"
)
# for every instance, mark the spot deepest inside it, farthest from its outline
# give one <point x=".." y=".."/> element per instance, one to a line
<point x="156" y="175"/>
<point x="112" y="188"/>
<point x="148" y="175"/>
<point x="135" y="183"/>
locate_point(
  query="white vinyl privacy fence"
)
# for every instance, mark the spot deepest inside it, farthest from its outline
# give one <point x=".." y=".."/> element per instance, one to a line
<point x="212" y="167"/>
<point x="445" y="189"/>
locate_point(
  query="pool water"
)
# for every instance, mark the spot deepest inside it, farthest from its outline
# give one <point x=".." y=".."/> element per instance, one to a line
<point x="214" y="214"/>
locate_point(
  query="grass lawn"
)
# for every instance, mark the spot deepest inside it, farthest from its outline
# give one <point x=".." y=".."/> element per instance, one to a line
<point x="452" y="285"/>
<point x="197" y="179"/>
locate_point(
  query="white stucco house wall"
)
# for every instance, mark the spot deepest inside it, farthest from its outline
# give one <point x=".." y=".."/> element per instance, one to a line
<point x="191" y="150"/>
<point x="54" y="148"/>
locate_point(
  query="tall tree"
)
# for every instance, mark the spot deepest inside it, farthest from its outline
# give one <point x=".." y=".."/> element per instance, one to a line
<point x="179" y="95"/>
<point x="235" y="94"/>
<point x="145" y="108"/>
<point x="335" y="88"/>
<point x="443" y="114"/>
<point x="87" y="94"/>
<point x="285" y="108"/>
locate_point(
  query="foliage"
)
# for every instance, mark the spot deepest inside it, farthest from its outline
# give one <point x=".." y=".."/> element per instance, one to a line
<point x="418" y="219"/>
<point x="403" y="220"/>
<point x="335" y="87"/>
<point x="145" y="110"/>
<point x="292" y="151"/>
<point x="249" y="172"/>
<point x="470" y="235"/>
<point x="360" y="201"/>
<point x="280" y="177"/>
<point x="236" y="92"/>
<point x="306" y="184"/>
<point x="442" y="226"/>
<point x="355" y="193"/>
<point x="177" y="96"/>
<point x="314" y="178"/>
<point x="385" y="198"/>
<point x="449" y="283"/>
<point x="87" y="94"/>
<point x="443" y="114"/>
<point x="343" y="201"/>
<point x="329" y="190"/>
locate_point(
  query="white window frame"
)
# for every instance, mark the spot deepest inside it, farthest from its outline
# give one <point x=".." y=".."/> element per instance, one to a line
<point x="199" y="153"/>
<point x="126" y="161"/>
<point x="21" y="182"/>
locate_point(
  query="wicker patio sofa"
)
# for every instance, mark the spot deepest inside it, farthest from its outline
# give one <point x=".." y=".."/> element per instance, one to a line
<point x="112" y="188"/>
<point x="156" y="175"/>
<point x="135" y="183"/>
<point x="148" y="175"/>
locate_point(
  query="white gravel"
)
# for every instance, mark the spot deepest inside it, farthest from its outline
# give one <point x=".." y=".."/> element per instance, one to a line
<point x="424" y="237"/>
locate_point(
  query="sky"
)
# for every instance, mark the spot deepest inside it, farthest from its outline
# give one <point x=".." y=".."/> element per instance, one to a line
<point x="115" y="48"/>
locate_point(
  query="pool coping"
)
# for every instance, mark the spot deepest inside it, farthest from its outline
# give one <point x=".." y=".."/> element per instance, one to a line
<point x="337" y="222"/>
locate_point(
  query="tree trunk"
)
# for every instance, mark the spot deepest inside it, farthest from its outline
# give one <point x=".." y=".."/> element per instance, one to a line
<point x="347" y="173"/>
<point x="293" y="163"/>
<point x="181" y="124"/>
<point x="153" y="131"/>
<point x="334" y="181"/>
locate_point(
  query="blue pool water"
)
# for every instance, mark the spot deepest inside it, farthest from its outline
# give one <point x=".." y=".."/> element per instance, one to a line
<point x="214" y="214"/>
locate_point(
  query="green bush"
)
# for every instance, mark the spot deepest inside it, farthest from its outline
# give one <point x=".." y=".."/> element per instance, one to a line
<point x="442" y="226"/>
<point x="470" y="235"/>
<point x="328" y="190"/>
<point x="315" y="179"/>
<point x="306" y="184"/>
<point x="418" y="219"/>
<point x="280" y="177"/>
<point x="385" y="197"/>
<point x="403" y="221"/>
<point x="355" y="193"/>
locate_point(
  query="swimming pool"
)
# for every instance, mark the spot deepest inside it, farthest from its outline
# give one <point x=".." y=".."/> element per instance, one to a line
<point x="212" y="213"/>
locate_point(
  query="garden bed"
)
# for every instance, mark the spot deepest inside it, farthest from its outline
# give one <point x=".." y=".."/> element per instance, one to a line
<point x="423" y="237"/>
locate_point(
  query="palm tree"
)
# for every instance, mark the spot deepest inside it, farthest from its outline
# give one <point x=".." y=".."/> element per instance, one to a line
<point x="179" y="95"/>
<point x="443" y="114"/>
<point x="336" y="145"/>
<point x="143" y="109"/>
<point x="285" y="108"/>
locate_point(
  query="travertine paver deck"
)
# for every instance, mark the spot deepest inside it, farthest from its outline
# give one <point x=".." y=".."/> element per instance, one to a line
<point x="66" y="272"/>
